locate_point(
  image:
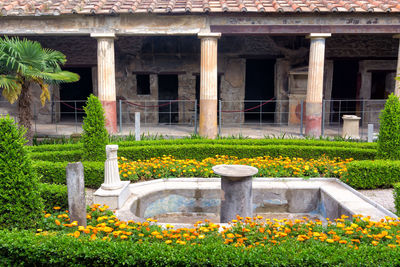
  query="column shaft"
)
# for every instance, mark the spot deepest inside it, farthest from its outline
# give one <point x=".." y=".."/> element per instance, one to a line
<point x="315" y="85"/>
<point x="106" y="79"/>
<point x="208" y="85"/>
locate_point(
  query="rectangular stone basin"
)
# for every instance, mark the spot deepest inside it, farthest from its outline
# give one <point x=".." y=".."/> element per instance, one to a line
<point x="187" y="200"/>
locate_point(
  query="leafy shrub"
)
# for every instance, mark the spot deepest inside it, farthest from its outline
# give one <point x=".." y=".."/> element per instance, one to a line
<point x="95" y="136"/>
<point x="20" y="203"/>
<point x="54" y="195"/>
<point x="389" y="131"/>
<point x="396" y="195"/>
<point x="55" y="173"/>
<point x="372" y="174"/>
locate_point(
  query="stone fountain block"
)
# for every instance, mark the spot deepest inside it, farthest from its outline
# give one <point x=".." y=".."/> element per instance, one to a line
<point x="115" y="199"/>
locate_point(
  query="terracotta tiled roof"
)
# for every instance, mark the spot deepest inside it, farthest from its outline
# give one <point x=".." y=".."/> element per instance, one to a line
<point x="60" y="7"/>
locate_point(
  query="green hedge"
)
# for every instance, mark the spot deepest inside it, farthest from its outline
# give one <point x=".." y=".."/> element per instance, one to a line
<point x="202" y="151"/>
<point x="396" y="196"/>
<point x="372" y="174"/>
<point x="26" y="249"/>
<point x="57" y="156"/>
<point x="55" y="147"/>
<point x="54" y="195"/>
<point x="297" y="142"/>
<point x="54" y="172"/>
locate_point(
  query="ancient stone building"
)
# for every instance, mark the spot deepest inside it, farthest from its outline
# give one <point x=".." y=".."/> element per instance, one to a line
<point x="145" y="52"/>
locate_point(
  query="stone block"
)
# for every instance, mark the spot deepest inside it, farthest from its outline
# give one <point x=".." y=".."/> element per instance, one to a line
<point x="115" y="199"/>
<point x="76" y="193"/>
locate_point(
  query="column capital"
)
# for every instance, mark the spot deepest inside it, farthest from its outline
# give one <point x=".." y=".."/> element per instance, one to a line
<point x="216" y="35"/>
<point x="98" y="35"/>
<point x="319" y="35"/>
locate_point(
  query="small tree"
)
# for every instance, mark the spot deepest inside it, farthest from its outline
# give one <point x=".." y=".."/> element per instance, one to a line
<point x="20" y="202"/>
<point x="389" y="131"/>
<point x="24" y="62"/>
<point x="95" y="136"/>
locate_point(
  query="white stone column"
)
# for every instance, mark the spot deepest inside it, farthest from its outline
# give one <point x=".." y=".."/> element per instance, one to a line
<point x="208" y="85"/>
<point x="106" y="77"/>
<point x="315" y="83"/>
<point x="111" y="172"/>
<point x="397" y="84"/>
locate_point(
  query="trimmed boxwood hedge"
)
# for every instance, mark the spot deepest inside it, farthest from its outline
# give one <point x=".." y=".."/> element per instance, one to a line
<point x="396" y="196"/>
<point x="54" y="172"/>
<point x="57" y="156"/>
<point x="54" y="195"/>
<point x="202" y="151"/>
<point x="26" y="249"/>
<point x="371" y="174"/>
<point x="55" y="147"/>
<point x="297" y="142"/>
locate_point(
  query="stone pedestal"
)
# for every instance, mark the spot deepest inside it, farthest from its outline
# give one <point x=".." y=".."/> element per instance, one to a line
<point x="106" y="78"/>
<point x="208" y="85"/>
<point x="237" y="191"/>
<point x="351" y="126"/>
<point x="113" y="192"/>
<point x="315" y="83"/>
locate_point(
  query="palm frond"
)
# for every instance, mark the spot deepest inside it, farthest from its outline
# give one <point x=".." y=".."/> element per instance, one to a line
<point x="11" y="88"/>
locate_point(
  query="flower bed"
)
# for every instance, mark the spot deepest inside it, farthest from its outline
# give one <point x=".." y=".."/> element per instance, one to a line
<point x="246" y="241"/>
<point x="169" y="166"/>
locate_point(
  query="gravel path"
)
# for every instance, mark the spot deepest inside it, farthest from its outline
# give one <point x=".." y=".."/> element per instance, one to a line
<point x="383" y="197"/>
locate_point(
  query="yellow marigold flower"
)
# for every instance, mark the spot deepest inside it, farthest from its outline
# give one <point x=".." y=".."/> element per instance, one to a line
<point x="77" y="234"/>
<point x="47" y="215"/>
<point x="123" y="237"/>
<point x="56" y="208"/>
<point x="201" y="236"/>
<point x="168" y="242"/>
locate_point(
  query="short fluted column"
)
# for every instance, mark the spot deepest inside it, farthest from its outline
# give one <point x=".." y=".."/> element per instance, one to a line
<point x="397" y="84"/>
<point x="315" y="84"/>
<point x="208" y="85"/>
<point x="111" y="172"/>
<point x="106" y="77"/>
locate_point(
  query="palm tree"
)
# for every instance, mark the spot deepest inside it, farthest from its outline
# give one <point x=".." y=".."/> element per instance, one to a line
<point x="24" y="62"/>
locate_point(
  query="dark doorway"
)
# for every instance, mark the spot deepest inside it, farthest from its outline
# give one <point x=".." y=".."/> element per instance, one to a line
<point x="260" y="76"/>
<point x="74" y="95"/>
<point x="168" y="111"/>
<point x="379" y="86"/>
<point x="345" y="90"/>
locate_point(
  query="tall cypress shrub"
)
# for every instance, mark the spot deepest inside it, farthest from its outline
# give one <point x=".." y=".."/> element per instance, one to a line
<point x="389" y="131"/>
<point x="20" y="202"/>
<point x="95" y="136"/>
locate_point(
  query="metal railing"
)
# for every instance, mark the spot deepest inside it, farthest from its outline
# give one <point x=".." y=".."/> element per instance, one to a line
<point x="253" y="118"/>
<point x="156" y="113"/>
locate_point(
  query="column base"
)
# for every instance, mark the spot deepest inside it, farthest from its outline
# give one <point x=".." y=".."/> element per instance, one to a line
<point x="110" y="112"/>
<point x="115" y="199"/>
<point x="208" y="118"/>
<point x="313" y="119"/>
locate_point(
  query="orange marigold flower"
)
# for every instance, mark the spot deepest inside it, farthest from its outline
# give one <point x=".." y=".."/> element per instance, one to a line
<point x="57" y="222"/>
